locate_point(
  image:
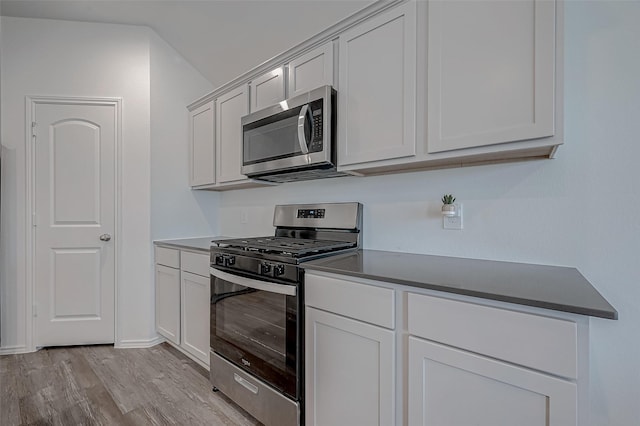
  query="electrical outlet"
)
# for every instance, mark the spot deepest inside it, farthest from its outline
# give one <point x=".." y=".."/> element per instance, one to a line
<point x="453" y="222"/>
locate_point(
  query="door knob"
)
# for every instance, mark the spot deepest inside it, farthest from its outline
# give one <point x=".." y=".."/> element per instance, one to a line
<point x="105" y="237"/>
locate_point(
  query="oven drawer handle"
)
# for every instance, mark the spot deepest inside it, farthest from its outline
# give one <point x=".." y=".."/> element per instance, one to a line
<point x="288" y="290"/>
<point x="250" y="386"/>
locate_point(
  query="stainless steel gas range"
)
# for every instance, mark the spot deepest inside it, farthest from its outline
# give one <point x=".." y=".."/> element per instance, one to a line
<point x="257" y="307"/>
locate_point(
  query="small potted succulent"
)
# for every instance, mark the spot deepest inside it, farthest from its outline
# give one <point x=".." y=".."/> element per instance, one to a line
<point x="448" y="208"/>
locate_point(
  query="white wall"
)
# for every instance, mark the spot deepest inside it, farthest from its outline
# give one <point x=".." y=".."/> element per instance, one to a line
<point x="581" y="209"/>
<point x="59" y="58"/>
<point x="176" y="210"/>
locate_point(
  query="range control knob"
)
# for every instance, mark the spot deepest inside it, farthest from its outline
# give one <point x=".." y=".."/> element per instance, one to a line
<point x="219" y="259"/>
<point x="265" y="268"/>
<point x="229" y="260"/>
<point x="278" y="270"/>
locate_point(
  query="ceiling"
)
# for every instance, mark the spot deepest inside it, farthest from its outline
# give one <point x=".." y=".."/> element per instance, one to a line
<point x="220" y="38"/>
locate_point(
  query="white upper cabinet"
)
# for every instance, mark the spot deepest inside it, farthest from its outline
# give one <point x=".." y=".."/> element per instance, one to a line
<point x="311" y="70"/>
<point x="420" y="84"/>
<point x="202" y="145"/>
<point x="267" y="89"/>
<point x="490" y="68"/>
<point x="377" y="96"/>
<point x="230" y="107"/>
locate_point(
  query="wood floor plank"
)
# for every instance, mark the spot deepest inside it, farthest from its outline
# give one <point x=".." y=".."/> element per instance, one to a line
<point x="105" y="410"/>
<point x="84" y="374"/>
<point x="35" y="408"/>
<point x="8" y="363"/>
<point x="9" y="402"/>
<point x="100" y="385"/>
<point x="77" y="414"/>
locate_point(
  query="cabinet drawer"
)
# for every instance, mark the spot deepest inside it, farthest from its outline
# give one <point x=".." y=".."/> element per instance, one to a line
<point x="363" y="302"/>
<point x="195" y="263"/>
<point x="168" y="257"/>
<point x="543" y="343"/>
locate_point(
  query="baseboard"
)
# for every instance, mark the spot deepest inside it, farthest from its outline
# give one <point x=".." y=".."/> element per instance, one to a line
<point x="10" y="350"/>
<point x="139" y="343"/>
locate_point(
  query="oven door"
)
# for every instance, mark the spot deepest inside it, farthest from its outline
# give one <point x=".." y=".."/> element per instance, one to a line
<point x="254" y="324"/>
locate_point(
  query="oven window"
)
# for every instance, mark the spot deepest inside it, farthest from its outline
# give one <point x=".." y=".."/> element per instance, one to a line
<point x="256" y="330"/>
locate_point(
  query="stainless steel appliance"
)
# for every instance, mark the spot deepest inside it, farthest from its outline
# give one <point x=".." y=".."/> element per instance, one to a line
<point x="292" y="140"/>
<point x="257" y="307"/>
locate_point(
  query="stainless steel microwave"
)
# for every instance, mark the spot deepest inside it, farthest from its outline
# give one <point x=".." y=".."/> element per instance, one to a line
<point x="292" y="140"/>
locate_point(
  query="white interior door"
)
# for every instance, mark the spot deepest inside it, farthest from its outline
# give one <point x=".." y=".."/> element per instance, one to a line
<point x="74" y="221"/>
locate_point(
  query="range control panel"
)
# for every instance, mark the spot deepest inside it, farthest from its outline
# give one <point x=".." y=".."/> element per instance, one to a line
<point x="311" y="213"/>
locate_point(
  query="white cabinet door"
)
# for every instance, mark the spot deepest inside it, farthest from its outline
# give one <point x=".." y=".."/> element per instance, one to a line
<point x="349" y="371"/>
<point x="490" y="71"/>
<point x="230" y="108"/>
<point x="268" y="89"/>
<point x="195" y="315"/>
<point x="202" y="145"/>
<point x="448" y="386"/>
<point x="377" y="96"/>
<point x="311" y="70"/>
<point x="168" y="303"/>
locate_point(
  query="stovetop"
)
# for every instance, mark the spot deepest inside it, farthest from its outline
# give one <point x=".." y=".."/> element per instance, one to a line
<point x="284" y="246"/>
<point x="303" y="232"/>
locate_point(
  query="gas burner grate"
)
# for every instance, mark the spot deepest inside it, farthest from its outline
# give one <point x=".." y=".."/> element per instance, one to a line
<point x="295" y="247"/>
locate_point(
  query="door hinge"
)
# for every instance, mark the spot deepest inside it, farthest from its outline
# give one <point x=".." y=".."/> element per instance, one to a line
<point x="34" y="219"/>
<point x="33" y="128"/>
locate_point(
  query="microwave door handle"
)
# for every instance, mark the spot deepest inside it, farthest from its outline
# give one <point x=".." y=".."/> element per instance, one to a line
<point x="289" y="290"/>
<point x="302" y="140"/>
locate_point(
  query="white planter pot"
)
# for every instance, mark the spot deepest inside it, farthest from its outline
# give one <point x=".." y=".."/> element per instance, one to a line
<point x="449" y="209"/>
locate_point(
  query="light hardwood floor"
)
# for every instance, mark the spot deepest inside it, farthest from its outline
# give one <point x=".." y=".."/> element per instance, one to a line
<point x="100" y="385"/>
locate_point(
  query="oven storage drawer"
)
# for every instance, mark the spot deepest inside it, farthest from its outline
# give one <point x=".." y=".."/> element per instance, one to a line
<point x="260" y="400"/>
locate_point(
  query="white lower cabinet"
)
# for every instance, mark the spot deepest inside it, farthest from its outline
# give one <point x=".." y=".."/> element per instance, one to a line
<point x="350" y="352"/>
<point x="195" y="315"/>
<point x="168" y="302"/>
<point x="350" y="371"/>
<point x="448" y="386"/>
<point x="182" y="301"/>
<point x="379" y="353"/>
<point x="475" y="364"/>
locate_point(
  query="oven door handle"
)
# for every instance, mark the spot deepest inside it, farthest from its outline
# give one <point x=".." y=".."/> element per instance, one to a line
<point x="289" y="290"/>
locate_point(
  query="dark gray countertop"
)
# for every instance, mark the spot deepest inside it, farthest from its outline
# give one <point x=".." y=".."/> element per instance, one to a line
<point x="551" y="287"/>
<point x="199" y="244"/>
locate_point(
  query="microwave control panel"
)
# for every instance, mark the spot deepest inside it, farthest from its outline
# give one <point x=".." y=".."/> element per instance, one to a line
<point x="316" y="140"/>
